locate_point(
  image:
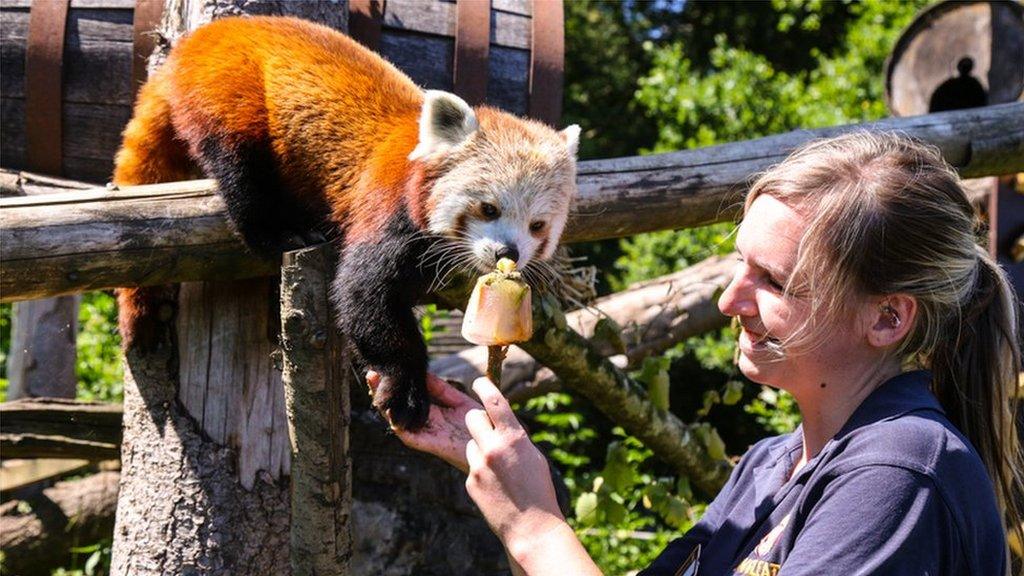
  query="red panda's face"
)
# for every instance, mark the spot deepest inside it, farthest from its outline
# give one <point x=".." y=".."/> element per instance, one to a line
<point x="503" y="195"/>
<point x="503" y="189"/>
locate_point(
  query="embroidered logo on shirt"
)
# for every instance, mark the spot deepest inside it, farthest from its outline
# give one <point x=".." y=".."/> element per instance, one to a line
<point x="757" y="567"/>
<point x="751" y="567"/>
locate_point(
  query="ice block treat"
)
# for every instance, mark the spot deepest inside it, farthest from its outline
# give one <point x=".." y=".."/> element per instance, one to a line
<point x="498" y="314"/>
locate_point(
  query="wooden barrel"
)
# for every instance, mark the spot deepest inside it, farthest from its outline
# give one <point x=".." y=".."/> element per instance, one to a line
<point x="66" y="115"/>
<point x="957" y="55"/>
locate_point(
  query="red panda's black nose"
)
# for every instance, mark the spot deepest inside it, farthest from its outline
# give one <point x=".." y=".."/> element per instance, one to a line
<point x="509" y="252"/>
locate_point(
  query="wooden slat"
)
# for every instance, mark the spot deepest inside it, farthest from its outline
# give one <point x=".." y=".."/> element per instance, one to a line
<point x="43" y="81"/>
<point x="364" y="22"/>
<point x="472" y="42"/>
<point x="145" y="19"/>
<point x="547" y="61"/>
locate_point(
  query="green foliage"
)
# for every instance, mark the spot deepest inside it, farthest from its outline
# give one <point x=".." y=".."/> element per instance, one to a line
<point x="743" y="95"/>
<point x="429" y="315"/>
<point x="655" y="254"/>
<point x="775" y="410"/>
<point x="94" y="560"/>
<point x="98" y="365"/>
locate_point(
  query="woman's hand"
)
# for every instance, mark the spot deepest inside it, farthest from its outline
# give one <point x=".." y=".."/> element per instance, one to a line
<point x="445" y="434"/>
<point x="509" y="478"/>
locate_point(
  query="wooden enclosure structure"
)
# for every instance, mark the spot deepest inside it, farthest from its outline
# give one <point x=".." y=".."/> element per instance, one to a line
<point x="204" y="465"/>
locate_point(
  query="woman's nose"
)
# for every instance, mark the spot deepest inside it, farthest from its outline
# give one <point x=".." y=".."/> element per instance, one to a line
<point x="738" y="299"/>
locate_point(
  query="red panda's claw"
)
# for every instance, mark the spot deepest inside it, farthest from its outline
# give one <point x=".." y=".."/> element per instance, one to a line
<point x="406" y="407"/>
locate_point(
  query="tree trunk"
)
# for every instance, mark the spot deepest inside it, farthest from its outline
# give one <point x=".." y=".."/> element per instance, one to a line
<point x="37" y="531"/>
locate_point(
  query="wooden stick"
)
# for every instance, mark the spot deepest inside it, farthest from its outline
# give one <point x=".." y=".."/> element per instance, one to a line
<point x="495" y="356"/>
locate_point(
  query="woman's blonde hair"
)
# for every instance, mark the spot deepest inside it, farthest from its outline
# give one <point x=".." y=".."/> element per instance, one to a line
<point x="888" y="215"/>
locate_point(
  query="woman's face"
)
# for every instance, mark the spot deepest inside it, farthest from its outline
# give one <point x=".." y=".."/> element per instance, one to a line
<point x="767" y="241"/>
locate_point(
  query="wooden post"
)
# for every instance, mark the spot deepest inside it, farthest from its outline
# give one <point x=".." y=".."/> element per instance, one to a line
<point x="42" y="360"/>
<point x="316" y="382"/>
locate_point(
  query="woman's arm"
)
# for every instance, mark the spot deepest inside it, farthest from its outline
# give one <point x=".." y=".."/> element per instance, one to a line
<point x="508" y="477"/>
<point x="510" y="483"/>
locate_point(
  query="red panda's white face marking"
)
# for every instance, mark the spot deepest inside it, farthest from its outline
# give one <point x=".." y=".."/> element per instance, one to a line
<point x="504" y="187"/>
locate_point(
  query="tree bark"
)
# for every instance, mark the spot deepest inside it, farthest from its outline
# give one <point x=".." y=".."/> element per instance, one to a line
<point x="37" y="531"/>
<point x="317" y="382"/>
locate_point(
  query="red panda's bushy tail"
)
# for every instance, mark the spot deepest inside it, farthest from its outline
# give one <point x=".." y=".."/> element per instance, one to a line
<point x="150" y="153"/>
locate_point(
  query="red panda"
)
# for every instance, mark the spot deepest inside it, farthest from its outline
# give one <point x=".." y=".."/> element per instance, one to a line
<point x="310" y="135"/>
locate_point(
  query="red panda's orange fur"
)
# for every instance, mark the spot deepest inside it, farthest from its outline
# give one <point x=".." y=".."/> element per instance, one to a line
<point x="206" y="77"/>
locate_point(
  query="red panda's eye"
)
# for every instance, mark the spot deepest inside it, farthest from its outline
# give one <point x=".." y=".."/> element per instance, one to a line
<point x="490" y="211"/>
<point x="537" y="225"/>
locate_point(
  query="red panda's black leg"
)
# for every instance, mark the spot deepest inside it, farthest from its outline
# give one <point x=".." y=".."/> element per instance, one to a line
<point x="261" y="211"/>
<point x="376" y="287"/>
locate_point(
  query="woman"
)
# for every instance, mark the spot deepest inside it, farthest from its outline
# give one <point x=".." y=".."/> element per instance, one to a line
<point x="860" y="290"/>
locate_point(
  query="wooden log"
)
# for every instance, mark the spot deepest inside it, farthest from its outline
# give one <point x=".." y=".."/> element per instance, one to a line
<point x="654" y="315"/>
<point x="59" y="428"/>
<point x="37" y="532"/>
<point x="150" y="235"/>
<point x="317" y="379"/>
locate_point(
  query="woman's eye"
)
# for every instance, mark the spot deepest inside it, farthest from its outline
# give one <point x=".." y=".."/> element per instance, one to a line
<point x="774" y="285"/>
<point x="490" y="211"/>
<point x="537" y="226"/>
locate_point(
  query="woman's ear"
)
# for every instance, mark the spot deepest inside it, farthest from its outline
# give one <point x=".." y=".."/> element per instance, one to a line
<point x="890" y="319"/>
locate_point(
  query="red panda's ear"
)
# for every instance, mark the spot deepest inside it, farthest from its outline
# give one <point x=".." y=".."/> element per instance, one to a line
<point x="571" y="134"/>
<point x="445" y="122"/>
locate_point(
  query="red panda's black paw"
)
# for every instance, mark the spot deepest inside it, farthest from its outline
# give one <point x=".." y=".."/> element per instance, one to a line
<point x="406" y="408"/>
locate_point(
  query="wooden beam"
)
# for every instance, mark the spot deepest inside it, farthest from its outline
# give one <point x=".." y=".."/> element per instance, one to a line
<point x="57" y="428"/>
<point x="158" y="234"/>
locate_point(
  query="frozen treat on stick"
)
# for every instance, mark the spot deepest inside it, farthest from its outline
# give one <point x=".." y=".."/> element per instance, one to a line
<point x="498" y="314"/>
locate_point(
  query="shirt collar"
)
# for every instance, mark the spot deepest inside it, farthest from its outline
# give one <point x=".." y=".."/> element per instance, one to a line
<point x="899" y="395"/>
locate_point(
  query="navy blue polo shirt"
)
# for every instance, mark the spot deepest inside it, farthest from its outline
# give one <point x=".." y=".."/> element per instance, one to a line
<point x="897" y="491"/>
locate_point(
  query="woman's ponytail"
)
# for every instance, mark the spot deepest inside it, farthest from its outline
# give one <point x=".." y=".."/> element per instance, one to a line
<point x="975" y="370"/>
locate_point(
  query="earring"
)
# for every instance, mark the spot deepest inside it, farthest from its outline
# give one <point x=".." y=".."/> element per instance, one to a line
<point x="894" y="318"/>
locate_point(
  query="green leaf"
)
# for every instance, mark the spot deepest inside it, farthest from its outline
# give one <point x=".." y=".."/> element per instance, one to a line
<point x="614" y="511"/>
<point x="715" y="445"/>
<point x="618" y="474"/>
<point x="676" y="512"/>
<point x="733" y="392"/>
<point x="607" y="332"/>
<point x="654" y="373"/>
<point x="586" y="509"/>
<point x="683" y="489"/>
